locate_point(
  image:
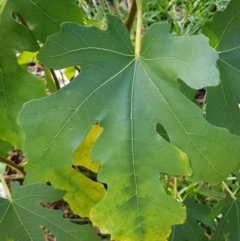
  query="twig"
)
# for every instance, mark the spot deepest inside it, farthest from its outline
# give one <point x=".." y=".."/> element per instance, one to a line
<point x="15" y="177"/>
<point x="131" y="16"/>
<point x="55" y="79"/>
<point x="13" y="165"/>
<point x="21" y="19"/>
<point x="229" y="191"/>
<point x="78" y="69"/>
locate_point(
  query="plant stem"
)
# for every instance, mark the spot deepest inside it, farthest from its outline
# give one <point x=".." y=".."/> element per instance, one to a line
<point x="131" y="16"/>
<point x="12" y="165"/>
<point x="175" y="187"/>
<point x="176" y="194"/>
<point x="21" y="19"/>
<point x="139" y="28"/>
<point x="95" y="5"/>
<point x="5" y="186"/>
<point x="14" y="177"/>
<point x="55" y="79"/>
<point x="79" y="220"/>
<point x="188" y="190"/>
<point x="229" y="191"/>
<point x="179" y="197"/>
<point x="78" y="69"/>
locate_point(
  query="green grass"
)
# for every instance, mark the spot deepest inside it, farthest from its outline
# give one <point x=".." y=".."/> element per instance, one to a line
<point x="186" y="17"/>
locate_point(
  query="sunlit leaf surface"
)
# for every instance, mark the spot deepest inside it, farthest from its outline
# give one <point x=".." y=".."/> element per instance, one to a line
<point x="128" y="97"/>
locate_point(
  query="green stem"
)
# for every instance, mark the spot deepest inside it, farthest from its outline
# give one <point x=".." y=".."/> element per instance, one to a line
<point x="188" y="190"/>
<point x="12" y="165"/>
<point x="176" y="194"/>
<point x="139" y="28"/>
<point x="229" y="191"/>
<point x="179" y="197"/>
<point x="5" y="186"/>
<point x="175" y="187"/>
<point x="55" y="79"/>
<point x="131" y="16"/>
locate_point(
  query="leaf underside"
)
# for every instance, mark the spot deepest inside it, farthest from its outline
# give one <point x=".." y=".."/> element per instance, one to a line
<point x="128" y="97"/>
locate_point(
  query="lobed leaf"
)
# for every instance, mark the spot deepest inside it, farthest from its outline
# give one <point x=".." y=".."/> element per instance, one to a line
<point x="29" y="216"/>
<point x="228" y="226"/>
<point x="129" y="97"/>
<point x="223" y="100"/>
<point x="191" y="230"/>
<point x="17" y="86"/>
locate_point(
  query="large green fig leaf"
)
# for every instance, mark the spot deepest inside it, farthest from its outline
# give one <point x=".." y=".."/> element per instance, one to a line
<point x="228" y="226"/>
<point x="223" y="100"/>
<point x="28" y="216"/>
<point x="128" y="96"/>
<point x="17" y="86"/>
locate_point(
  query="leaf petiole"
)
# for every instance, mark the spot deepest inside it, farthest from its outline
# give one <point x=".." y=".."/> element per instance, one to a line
<point x="55" y="79"/>
<point x="229" y="191"/>
<point x="139" y="28"/>
<point x="12" y="165"/>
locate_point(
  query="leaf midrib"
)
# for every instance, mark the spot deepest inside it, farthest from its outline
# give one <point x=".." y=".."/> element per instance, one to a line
<point x="132" y="146"/>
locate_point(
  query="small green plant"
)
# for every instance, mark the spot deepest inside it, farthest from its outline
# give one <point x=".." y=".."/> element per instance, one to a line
<point x="186" y="17"/>
<point x="156" y="167"/>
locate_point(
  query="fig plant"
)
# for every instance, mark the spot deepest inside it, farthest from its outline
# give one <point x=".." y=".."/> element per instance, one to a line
<point x="128" y="117"/>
